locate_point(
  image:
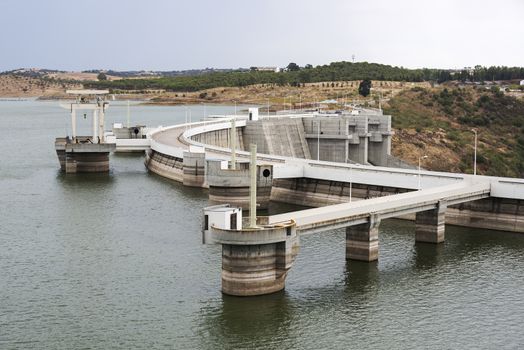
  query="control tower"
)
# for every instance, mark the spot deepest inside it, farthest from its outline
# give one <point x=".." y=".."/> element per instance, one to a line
<point x="86" y="154"/>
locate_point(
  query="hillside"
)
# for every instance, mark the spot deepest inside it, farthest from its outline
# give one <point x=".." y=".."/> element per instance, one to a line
<point x="12" y="85"/>
<point x="297" y="76"/>
<point x="439" y="122"/>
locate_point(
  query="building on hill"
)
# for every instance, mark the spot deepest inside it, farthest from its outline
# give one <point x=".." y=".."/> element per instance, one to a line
<point x="267" y="69"/>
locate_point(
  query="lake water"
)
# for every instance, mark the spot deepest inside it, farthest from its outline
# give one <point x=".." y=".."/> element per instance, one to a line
<point x="116" y="261"/>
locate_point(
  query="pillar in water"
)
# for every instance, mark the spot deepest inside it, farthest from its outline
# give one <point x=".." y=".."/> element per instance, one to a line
<point x="430" y="224"/>
<point x="362" y="240"/>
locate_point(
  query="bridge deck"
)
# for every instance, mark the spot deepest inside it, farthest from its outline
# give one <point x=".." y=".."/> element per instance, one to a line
<point x="358" y="212"/>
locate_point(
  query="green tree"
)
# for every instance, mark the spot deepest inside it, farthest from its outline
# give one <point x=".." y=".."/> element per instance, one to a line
<point x="293" y="67"/>
<point x="364" y="88"/>
<point x="101" y="76"/>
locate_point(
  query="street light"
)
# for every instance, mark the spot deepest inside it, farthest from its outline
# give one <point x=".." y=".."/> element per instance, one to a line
<point x="419" y="159"/>
<point x="318" y="140"/>
<point x="185" y="107"/>
<point x="350" y="182"/>
<point x="475" y="157"/>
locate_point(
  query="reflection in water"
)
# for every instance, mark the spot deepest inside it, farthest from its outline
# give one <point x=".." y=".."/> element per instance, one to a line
<point x="427" y="255"/>
<point x="240" y="322"/>
<point x="361" y="276"/>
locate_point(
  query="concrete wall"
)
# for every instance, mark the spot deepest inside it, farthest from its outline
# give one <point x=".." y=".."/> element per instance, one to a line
<point x="283" y="137"/>
<point x="164" y="165"/>
<point x="319" y="193"/>
<point x="220" y="138"/>
<point x="228" y="186"/>
<point x="379" y="141"/>
<point x="344" y="138"/>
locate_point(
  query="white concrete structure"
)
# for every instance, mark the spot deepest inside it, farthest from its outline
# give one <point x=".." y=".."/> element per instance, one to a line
<point x="220" y="216"/>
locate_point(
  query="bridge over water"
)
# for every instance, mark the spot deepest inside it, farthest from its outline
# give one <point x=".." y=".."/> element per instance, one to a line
<point x="256" y="260"/>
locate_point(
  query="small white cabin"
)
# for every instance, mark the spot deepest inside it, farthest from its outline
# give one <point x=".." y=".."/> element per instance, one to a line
<point x="221" y="216"/>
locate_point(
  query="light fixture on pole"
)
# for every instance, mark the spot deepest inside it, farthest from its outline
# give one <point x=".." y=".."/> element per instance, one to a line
<point x="350" y="182"/>
<point x="185" y="107"/>
<point x="419" y="160"/>
<point x="475" y="156"/>
<point x="318" y="140"/>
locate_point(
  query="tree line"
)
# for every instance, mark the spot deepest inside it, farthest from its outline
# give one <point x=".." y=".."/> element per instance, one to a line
<point x="295" y="75"/>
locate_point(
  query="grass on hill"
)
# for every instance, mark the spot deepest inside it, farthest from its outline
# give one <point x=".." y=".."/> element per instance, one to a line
<point x="439" y="122"/>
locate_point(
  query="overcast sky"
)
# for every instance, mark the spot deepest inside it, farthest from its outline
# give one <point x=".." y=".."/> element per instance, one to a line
<point x="174" y="35"/>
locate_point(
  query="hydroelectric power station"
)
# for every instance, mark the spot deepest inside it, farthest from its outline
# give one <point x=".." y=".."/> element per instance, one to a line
<point x="338" y="163"/>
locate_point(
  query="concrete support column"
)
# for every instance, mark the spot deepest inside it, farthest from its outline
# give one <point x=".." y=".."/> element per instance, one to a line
<point x="194" y="169"/>
<point x="101" y="122"/>
<point x="73" y="123"/>
<point x="95" y="126"/>
<point x="362" y="240"/>
<point x="256" y="269"/>
<point x="430" y="224"/>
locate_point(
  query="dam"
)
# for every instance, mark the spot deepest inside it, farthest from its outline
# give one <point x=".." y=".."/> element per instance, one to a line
<point x="340" y="163"/>
<point x="84" y="253"/>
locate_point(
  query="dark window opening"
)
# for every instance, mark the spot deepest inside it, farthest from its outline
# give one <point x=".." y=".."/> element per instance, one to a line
<point x="233" y="221"/>
<point x="206" y="222"/>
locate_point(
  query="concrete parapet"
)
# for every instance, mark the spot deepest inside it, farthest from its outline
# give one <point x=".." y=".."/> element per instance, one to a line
<point x="255" y="261"/>
<point x="220" y="138"/>
<point x="362" y="240"/>
<point x="430" y="225"/>
<point x="232" y="185"/>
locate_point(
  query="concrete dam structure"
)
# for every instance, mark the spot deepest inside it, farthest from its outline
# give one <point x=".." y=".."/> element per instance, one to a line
<point x="350" y="193"/>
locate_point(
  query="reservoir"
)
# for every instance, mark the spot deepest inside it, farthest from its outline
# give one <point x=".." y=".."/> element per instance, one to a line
<point x="101" y="261"/>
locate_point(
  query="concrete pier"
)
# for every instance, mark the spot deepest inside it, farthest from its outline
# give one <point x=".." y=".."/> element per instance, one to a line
<point x="256" y="261"/>
<point x="231" y="186"/>
<point x="362" y="240"/>
<point x="86" y="154"/>
<point x="430" y="224"/>
<point x="194" y="169"/>
<point x="80" y="156"/>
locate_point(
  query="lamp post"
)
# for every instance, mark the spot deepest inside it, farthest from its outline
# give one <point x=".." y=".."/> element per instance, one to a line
<point x="268" y="107"/>
<point x="475" y="156"/>
<point x="419" y="160"/>
<point x="350" y="182"/>
<point x="185" y="107"/>
<point x="318" y="140"/>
